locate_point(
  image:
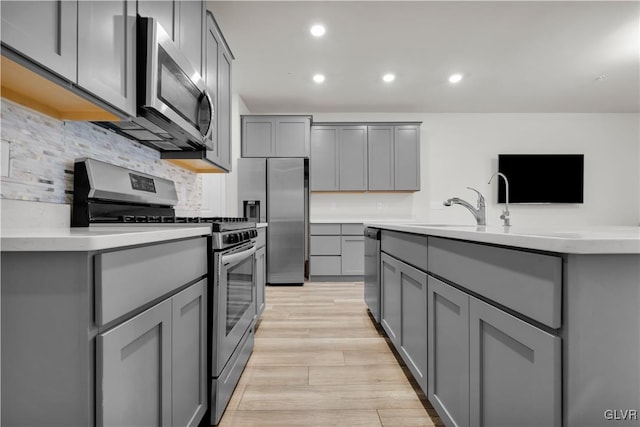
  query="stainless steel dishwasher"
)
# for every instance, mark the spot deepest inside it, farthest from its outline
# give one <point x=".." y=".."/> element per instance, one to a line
<point x="372" y="271"/>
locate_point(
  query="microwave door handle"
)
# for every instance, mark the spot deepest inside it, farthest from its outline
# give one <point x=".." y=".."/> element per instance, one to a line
<point x="207" y="134"/>
<point x="237" y="257"/>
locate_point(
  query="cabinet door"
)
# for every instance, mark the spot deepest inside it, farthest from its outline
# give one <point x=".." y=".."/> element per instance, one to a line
<point x="224" y="109"/>
<point x="381" y="158"/>
<point x="213" y="46"/>
<point x="133" y="378"/>
<point x="166" y="12"/>
<point x="515" y="370"/>
<point x="324" y="158"/>
<point x="407" y="157"/>
<point x="448" y="336"/>
<point x="292" y="137"/>
<point x="189" y="355"/>
<point x="191" y="15"/>
<point x="353" y="158"/>
<point x="258" y="136"/>
<point x="261" y="278"/>
<point x="391" y="298"/>
<point x="44" y="31"/>
<point x="413" y="350"/>
<point x="352" y="255"/>
<point x="106" y="51"/>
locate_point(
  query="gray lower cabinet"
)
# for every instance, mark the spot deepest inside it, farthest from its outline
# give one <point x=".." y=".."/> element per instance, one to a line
<point x="448" y="333"/>
<point x="261" y="279"/>
<point x="151" y="370"/>
<point x="189" y="355"/>
<point x="515" y="370"/>
<point x="134" y="371"/>
<point x="413" y="348"/>
<point x="391" y="307"/>
<point x="44" y="31"/>
<point x="336" y="251"/>
<point x="106" y="51"/>
<point x="276" y="136"/>
<point x="352" y="255"/>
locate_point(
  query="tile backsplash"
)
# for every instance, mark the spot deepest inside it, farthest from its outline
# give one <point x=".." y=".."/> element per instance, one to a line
<point x="42" y="151"/>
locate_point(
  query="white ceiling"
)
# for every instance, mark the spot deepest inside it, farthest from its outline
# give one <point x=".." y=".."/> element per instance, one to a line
<point x="540" y="56"/>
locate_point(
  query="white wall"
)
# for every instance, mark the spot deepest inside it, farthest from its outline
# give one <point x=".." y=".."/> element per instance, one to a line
<point x="460" y="150"/>
<point x="220" y="191"/>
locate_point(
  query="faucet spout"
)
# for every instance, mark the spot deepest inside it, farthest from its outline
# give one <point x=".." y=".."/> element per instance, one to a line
<point x="506" y="220"/>
<point x="478" y="213"/>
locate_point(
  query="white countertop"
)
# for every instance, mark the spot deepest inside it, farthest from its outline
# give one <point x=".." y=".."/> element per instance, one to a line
<point x="91" y="239"/>
<point x="360" y="220"/>
<point x="570" y="240"/>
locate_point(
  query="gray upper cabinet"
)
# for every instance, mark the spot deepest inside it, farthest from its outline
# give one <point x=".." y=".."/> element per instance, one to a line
<point x="183" y="21"/>
<point x="407" y="157"/>
<point x="353" y="158"/>
<point x="514" y="370"/>
<point x="134" y="371"/>
<point x="106" y="51"/>
<point x="44" y="31"/>
<point x="276" y="136"/>
<point x="293" y="136"/>
<point x="324" y="159"/>
<point x="191" y="18"/>
<point x="218" y="65"/>
<point x="448" y="372"/>
<point x="381" y="158"/>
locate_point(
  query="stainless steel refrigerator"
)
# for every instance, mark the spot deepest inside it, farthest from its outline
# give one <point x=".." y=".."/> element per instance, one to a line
<point x="276" y="191"/>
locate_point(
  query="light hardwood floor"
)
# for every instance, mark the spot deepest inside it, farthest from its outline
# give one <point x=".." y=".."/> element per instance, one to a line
<point x="319" y="360"/>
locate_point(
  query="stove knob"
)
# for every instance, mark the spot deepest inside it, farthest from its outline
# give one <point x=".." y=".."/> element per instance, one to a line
<point x="232" y="238"/>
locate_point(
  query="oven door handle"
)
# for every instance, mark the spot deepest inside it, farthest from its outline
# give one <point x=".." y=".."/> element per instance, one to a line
<point x="237" y="257"/>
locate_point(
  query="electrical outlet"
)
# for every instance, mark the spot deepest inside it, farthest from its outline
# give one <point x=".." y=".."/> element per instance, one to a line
<point x="5" y="157"/>
<point x="379" y="205"/>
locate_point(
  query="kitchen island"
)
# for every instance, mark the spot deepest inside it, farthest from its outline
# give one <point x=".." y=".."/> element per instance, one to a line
<point x="517" y="326"/>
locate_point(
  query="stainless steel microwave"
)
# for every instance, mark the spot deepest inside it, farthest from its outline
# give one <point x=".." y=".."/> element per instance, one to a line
<point x="175" y="111"/>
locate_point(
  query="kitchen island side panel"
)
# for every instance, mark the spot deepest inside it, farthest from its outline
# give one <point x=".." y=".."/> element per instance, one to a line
<point x="47" y="339"/>
<point x="601" y="340"/>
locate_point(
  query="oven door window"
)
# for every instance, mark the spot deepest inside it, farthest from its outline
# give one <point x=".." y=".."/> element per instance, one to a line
<point x="178" y="92"/>
<point x="239" y="291"/>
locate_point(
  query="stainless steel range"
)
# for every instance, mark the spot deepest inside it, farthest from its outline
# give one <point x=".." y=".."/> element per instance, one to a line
<point x="107" y="194"/>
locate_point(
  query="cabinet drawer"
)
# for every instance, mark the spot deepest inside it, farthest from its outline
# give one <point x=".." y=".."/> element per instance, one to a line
<point x="325" y="266"/>
<point x="526" y="282"/>
<point x="261" y="240"/>
<point x="128" y="279"/>
<point x="316" y="229"/>
<point x="409" y="248"/>
<point x="325" y="245"/>
<point x="352" y="229"/>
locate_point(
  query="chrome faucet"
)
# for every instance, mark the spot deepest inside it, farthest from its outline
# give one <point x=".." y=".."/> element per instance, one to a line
<point x="478" y="214"/>
<point x="506" y="221"/>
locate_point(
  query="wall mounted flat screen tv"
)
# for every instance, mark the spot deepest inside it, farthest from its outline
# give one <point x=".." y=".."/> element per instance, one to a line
<point x="542" y="178"/>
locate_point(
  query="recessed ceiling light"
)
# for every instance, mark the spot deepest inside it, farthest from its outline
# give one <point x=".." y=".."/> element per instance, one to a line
<point x="389" y="77"/>
<point x="455" y="78"/>
<point x="318" y="30"/>
<point x="318" y="78"/>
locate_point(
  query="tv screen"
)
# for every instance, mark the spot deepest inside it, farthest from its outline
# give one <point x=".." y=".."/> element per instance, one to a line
<point x="542" y="178"/>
